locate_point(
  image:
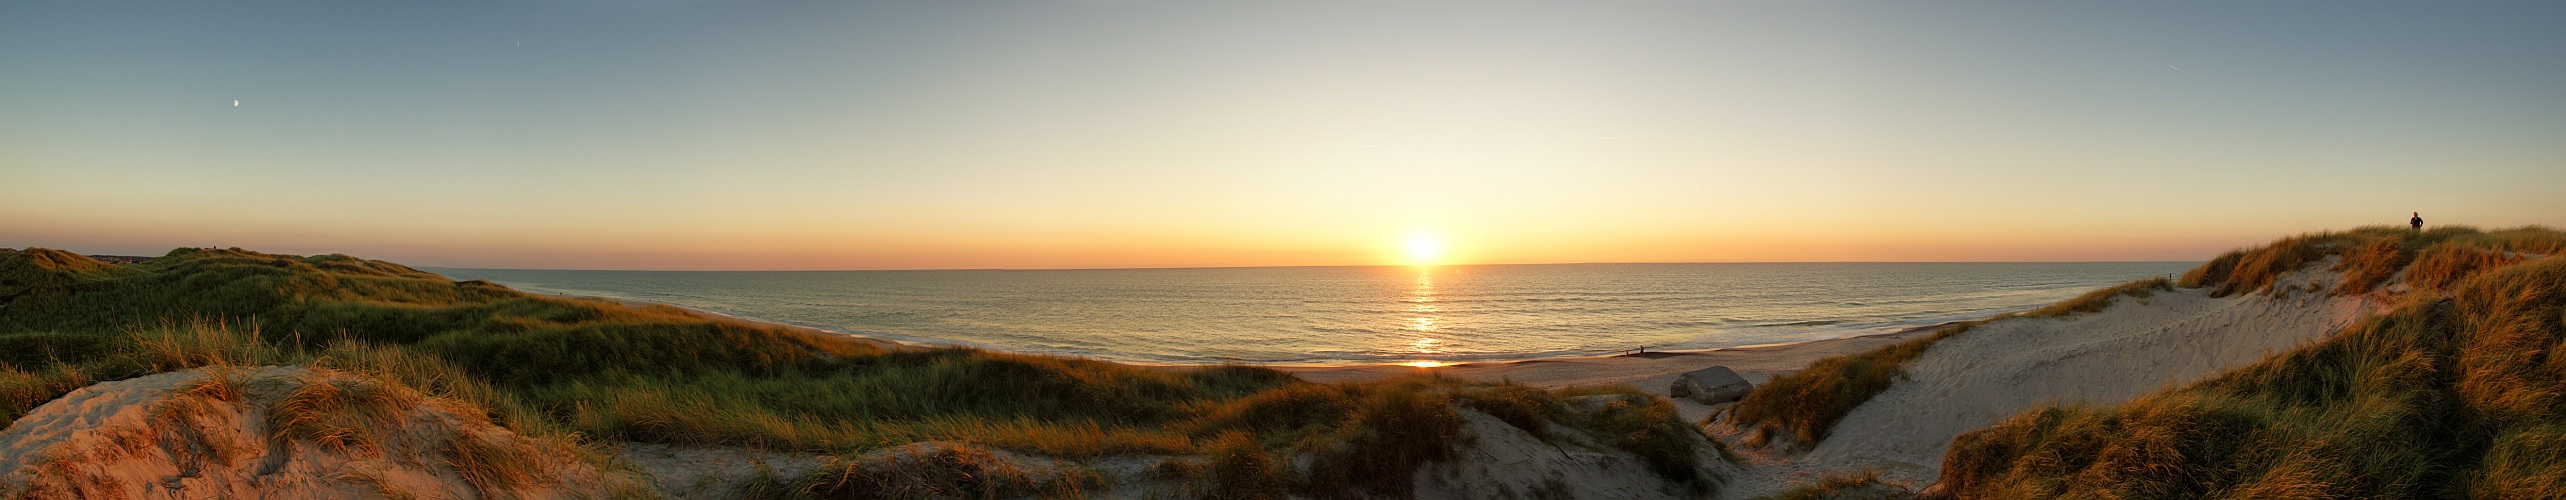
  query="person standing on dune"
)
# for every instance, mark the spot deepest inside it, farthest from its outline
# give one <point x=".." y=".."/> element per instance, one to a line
<point x="2417" y="222"/>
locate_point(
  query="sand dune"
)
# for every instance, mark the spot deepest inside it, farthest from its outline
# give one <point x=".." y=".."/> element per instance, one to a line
<point x="2134" y="347"/>
<point x="275" y="432"/>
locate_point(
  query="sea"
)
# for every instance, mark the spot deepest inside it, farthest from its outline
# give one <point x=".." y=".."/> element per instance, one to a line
<point x="1338" y="315"/>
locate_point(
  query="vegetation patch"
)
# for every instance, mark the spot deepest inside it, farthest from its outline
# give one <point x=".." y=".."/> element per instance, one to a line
<point x="1241" y="468"/>
<point x="931" y="471"/>
<point x="1860" y="485"/>
<point x="1650" y="428"/>
<point x="2096" y="300"/>
<point x="497" y="470"/>
<point x="343" y="416"/>
<point x="2374" y="255"/>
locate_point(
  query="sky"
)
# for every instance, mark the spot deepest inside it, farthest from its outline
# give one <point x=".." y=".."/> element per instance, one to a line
<point x="1162" y="133"/>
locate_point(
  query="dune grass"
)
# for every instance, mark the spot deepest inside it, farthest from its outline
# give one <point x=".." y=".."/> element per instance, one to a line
<point x="588" y="370"/>
<point x="2098" y="299"/>
<point x="1649" y="427"/>
<point x="36" y="270"/>
<point x="1804" y="405"/>
<point x="496" y="470"/>
<point x="2372" y="256"/>
<point x="938" y="472"/>
<point x="2454" y="393"/>
<point x="1858" y="485"/>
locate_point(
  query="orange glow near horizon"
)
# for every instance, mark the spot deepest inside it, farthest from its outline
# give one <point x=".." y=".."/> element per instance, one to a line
<point x="859" y="246"/>
<point x="790" y="136"/>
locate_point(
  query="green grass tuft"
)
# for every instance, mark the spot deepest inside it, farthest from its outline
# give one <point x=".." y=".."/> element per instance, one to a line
<point x="1241" y="468"/>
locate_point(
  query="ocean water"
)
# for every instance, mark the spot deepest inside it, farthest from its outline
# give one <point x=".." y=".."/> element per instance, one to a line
<point x="1358" y="314"/>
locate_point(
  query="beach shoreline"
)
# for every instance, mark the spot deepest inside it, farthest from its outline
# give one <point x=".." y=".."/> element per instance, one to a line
<point x="1652" y="371"/>
<point x="1356" y="316"/>
<point x="1329" y="367"/>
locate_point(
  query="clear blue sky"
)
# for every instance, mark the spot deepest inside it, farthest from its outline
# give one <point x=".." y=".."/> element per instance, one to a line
<point x="831" y="135"/>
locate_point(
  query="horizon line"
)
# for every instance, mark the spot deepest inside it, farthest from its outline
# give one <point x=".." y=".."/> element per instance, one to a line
<point x="1317" y="266"/>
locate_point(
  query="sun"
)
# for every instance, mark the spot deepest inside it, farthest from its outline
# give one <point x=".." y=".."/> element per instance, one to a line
<point x="1424" y="249"/>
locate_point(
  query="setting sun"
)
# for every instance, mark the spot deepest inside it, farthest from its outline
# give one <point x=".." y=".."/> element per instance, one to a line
<point x="1424" y="249"/>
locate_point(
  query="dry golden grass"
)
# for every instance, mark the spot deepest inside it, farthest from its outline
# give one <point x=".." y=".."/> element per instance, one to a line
<point x="342" y="415"/>
<point x="1858" y="485"/>
<point x="184" y="419"/>
<point x="500" y="470"/>
<point x="946" y="471"/>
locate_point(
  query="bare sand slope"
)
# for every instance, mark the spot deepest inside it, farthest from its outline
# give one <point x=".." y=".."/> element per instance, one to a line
<point x="275" y="432"/>
<point x="2135" y="346"/>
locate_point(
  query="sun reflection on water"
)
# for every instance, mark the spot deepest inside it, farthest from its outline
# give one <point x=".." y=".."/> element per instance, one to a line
<point x="1423" y="319"/>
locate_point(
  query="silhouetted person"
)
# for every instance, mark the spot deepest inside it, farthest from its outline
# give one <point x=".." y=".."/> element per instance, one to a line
<point x="2417" y="221"/>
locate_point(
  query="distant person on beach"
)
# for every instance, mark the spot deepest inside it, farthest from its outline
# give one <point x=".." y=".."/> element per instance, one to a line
<point x="2417" y="221"/>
